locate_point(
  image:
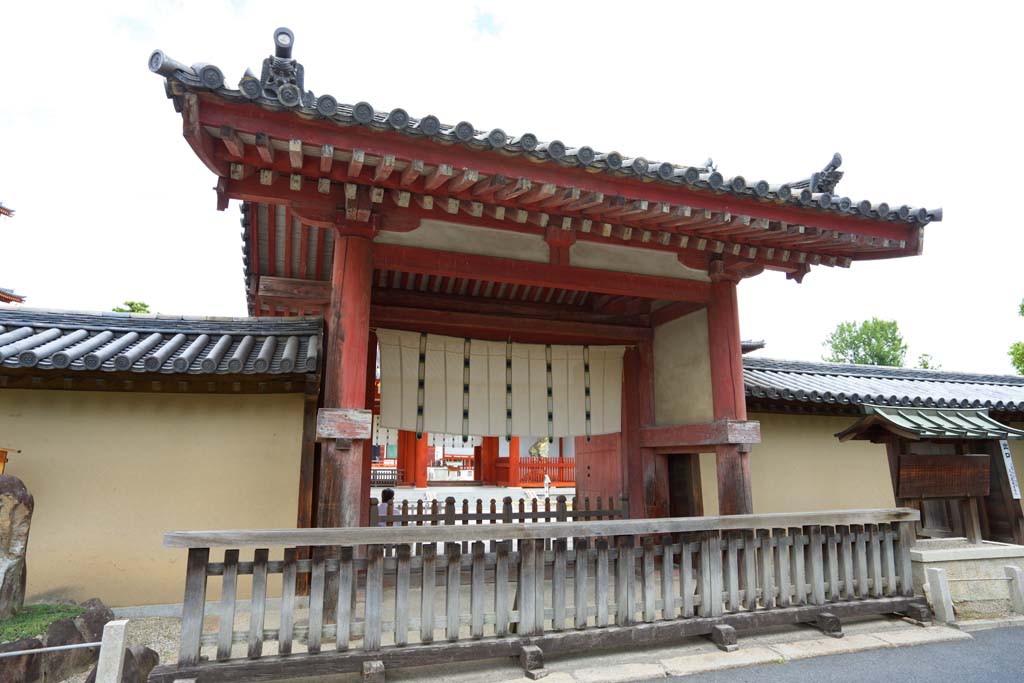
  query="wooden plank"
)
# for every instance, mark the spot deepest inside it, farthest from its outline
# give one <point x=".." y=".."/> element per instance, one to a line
<point x="354" y="536"/>
<point x="945" y="476"/>
<point x="875" y="560"/>
<point x="601" y="578"/>
<point x="648" y="586"/>
<point x="846" y="562"/>
<point x="816" y="564"/>
<point x="832" y="541"/>
<point x="701" y="434"/>
<point x="860" y="552"/>
<point x="193" y="606"/>
<point x="317" y="583"/>
<point x="501" y="616"/>
<point x="687" y="582"/>
<point x="288" y="576"/>
<point x="624" y="569"/>
<point x="668" y="592"/>
<point x="798" y="566"/>
<point x="906" y="541"/>
<point x="888" y="559"/>
<point x="344" y="423"/>
<point x="766" y="564"/>
<point x="228" y="589"/>
<point x="581" y="565"/>
<point x="453" y="581"/>
<point x="476" y="596"/>
<point x="714" y="546"/>
<point x="558" y="575"/>
<point x="750" y="570"/>
<point x="428" y="578"/>
<point x="346" y="588"/>
<point x="374" y="614"/>
<point x="258" y="602"/>
<point x="781" y="555"/>
<point x="732" y="571"/>
<point x="527" y="588"/>
<point x="402" y="595"/>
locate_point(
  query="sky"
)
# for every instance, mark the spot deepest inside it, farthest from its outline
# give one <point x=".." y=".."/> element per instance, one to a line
<point x="923" y="100"/>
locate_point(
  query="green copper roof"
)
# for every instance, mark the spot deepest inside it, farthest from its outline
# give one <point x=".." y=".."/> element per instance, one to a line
<point x="929" y="423"/>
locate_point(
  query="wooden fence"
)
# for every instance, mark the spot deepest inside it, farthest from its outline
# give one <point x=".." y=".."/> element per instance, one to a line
<point x="562" y="471"/>
<point x="436" y="513"/>
<point x="603" y="584"/>
<point x="385" y="476"/>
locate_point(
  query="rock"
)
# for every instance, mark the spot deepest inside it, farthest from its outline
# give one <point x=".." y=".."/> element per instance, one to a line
<point x="16" y="505"/>
<point x="93" y="619"/>
<point x="129" y="674"/>
<point x="23" y="669"/>
<point x="146" y="659"/>
<point x="61" y="664"/>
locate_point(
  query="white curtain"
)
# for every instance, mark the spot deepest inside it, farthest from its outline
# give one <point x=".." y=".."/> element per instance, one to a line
<point x="449" y="385"/>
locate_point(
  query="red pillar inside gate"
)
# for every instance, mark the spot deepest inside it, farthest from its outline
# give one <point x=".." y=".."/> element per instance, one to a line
<point x="344" y="472"/>
<point x="513" y="461"/>
<point x="732" y="463"/>
<point x="422" y="459"/>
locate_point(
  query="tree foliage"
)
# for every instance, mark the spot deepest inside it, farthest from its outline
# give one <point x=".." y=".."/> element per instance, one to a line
<point x="132" y="307"/>
<point x="926" y="362"/>
<point x="1017" y="349"/>
<point x="871" y="342"/>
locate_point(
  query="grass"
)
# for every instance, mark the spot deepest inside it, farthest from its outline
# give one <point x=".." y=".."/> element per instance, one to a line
<point x="33" y="620"/>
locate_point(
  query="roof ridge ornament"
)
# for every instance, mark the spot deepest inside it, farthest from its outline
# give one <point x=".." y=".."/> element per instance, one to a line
<point x="824" y="180"/>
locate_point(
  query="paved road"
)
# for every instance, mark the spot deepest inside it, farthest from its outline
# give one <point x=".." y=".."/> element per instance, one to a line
<point x="993" y="656"/>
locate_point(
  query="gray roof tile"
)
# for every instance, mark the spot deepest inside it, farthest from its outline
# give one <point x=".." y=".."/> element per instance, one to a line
<point x="55" y="340"/>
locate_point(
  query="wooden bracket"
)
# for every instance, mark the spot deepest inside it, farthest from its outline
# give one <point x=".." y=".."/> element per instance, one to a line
<point x="344" y="425"/>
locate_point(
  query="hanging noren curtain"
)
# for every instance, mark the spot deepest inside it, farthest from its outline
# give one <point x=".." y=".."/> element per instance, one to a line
<point x="469" y="387"/>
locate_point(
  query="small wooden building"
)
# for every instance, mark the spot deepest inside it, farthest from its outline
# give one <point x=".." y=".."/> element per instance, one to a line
<point x="493" y="267"/>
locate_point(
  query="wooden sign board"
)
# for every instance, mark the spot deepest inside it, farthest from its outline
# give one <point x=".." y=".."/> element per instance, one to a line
<point x="343" y="423"/>
<point x="943" y="476"/>
<point x="1004" y="448"/>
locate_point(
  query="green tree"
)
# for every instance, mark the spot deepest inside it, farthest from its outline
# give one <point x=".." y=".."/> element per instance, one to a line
<point x="926" y="362"/>
<point x="1017" y="349"/>
<point x="872" y="342"/>
<point x="132" y="307"/>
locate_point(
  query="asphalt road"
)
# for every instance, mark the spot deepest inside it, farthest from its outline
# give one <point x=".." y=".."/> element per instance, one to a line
<point x="993" y="656"/>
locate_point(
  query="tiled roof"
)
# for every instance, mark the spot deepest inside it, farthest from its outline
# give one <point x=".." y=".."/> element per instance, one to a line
<point x="55" y="340"/>
<point x="281" y="87"/>
<point x="840" y="384"/>
<point x="929" y="423"/>
<point x="8" y="296"/>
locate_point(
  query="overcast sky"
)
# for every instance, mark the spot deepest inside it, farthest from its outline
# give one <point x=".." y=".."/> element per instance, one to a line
<point x="922" y="100"/>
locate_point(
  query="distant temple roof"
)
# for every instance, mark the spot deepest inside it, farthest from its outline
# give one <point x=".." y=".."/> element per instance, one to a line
<point x="281" y="87"/>
<point x="9" y="296"/>
<point x="146" y="343"/>
<point x="782" y="383"/>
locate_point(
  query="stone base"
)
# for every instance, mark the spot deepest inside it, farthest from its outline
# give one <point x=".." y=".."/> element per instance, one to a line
<point x="976" y="573"/>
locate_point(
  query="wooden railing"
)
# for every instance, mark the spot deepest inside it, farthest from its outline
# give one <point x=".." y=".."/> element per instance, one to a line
<point x="602" y="584"/>
<point x="492" y="512"/>
<point x="385" y="476"/>
<point x="562" y="471"/>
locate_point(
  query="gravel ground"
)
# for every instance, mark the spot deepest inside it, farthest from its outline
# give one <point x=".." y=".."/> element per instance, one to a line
<point x="159" y="633"/>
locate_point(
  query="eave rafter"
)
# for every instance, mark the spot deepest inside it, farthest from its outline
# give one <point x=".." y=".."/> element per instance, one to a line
<point x="313" y="166"/>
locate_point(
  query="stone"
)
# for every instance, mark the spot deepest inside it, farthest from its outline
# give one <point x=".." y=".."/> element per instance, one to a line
<point x="93" y="619"/>
<point x="16" y="506"/>
<point x="61" y="664"/>
<point x="829" y="624"/>
<point x="131" y="673"/>
<point x="803" y="649"/>
<point x="23" y="669"/>
<point x="724" y="636"/>
<point x="531" y="658"/>
<point x="716" y="661"/>
<point x="620" y="673"/>
<point x="146" y="659"/>
<point x="373" y="672"/>
<point x="921" y="636"/>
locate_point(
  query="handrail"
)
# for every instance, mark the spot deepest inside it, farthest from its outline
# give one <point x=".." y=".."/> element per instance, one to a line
<point x="236" y="538"/>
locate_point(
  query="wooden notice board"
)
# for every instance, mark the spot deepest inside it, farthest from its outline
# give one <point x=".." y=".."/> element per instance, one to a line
<point x="943" y="476"/>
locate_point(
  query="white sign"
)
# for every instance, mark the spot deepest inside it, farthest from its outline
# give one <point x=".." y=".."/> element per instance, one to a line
<point x="1004" y="446"/>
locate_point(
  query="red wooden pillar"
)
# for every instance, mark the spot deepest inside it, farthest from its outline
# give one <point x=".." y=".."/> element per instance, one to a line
<point x="513" y="461"/>
<point x="489" y="461"/>
<point x="732" y="464"/>
<point x="344" y="474"/>
<point x="422" y="460"/>
<point x="406" y="456"/>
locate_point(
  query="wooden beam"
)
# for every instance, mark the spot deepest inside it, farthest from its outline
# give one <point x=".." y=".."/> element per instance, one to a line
<point x="672" y="311"/>
<point x="494" y="269"/>
<point x="292" y="288"/>
<point x="684" y="437"/>
<point x="498" y="327"/>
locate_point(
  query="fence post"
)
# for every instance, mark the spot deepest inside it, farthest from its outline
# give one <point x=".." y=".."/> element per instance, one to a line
<point x="110" y="666"/>
<point x="374" y="512"/>
<point x="1016" y="577"/>
<point x="942" y="601"/>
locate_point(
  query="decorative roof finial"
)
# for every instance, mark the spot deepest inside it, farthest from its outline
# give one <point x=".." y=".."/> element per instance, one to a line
<point x="282" y="79"/>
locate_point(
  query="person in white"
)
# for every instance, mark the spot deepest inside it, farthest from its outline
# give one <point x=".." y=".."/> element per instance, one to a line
<point x="386" y="496"/>
<point x="547" y="485"/>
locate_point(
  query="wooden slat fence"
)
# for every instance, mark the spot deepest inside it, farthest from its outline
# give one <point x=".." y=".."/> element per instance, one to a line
<point x="385" y="476"/>
<point x="562" y="471"/>
<point x="492" y="511"/>
<point x="568" y="586"/>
